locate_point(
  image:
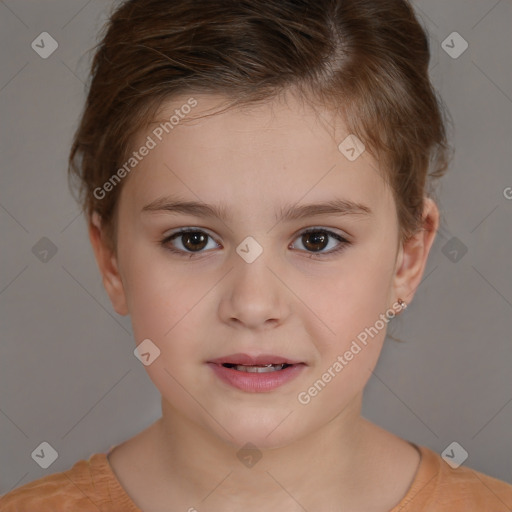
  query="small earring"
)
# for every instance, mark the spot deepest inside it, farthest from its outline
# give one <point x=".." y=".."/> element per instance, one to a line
<point x="402" y="303"/>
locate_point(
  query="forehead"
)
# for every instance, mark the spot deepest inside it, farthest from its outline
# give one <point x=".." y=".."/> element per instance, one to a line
<point x="255" y="156"/>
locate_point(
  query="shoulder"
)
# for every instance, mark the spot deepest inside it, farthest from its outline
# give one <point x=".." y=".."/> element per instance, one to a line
<point x="472" y="488"/>
<point x="87" y="486"/>
<point x="439" y="487"/>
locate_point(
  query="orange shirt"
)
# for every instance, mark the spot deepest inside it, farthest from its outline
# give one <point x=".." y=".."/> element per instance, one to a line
<point x="91" y="486"/>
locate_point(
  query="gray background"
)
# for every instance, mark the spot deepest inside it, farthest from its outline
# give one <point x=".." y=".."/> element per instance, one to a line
<point x="68" y="375"/>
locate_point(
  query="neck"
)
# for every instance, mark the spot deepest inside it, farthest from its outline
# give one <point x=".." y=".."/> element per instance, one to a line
<point x="196" y="463"/>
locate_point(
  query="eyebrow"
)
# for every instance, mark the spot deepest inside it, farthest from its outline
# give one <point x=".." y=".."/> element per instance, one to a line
<point x="336" y="206"/>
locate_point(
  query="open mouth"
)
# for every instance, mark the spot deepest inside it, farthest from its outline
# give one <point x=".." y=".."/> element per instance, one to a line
<point x="257" y="368"/>
<point x="256" y="373"/>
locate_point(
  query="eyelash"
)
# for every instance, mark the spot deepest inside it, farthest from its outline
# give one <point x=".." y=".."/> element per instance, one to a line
<point x="344" y="243"/>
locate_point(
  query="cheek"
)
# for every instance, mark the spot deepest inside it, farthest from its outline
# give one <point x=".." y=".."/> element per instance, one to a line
<point x="160" y="296"/>
<point x="354" y="308"/>
<point x="351" y="298"/>
<point x="165" y="306"/>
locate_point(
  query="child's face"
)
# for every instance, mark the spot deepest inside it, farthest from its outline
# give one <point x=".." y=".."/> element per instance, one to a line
<point x="294" y="301"/>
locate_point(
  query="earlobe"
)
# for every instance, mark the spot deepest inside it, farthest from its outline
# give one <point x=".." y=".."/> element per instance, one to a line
<point x="108" y="266"/>
<point x="414" y="253"/>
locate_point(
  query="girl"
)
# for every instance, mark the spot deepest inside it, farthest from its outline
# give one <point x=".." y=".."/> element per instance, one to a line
<point x="254" y="176"/>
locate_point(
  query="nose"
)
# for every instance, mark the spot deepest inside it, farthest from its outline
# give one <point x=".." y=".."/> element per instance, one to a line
<point x="253" y="296"/>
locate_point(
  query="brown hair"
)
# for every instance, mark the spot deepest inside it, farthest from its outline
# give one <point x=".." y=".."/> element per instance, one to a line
<point x="368" y="59"/>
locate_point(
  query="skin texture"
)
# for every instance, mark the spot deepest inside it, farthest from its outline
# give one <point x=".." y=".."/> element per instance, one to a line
<point x="255" y="161"/>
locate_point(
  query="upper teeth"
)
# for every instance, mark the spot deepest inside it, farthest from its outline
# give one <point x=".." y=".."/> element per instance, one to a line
<point x="258" y="368"/>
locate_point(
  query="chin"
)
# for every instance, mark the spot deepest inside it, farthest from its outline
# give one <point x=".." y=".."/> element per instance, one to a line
<point x="265" y="433"/>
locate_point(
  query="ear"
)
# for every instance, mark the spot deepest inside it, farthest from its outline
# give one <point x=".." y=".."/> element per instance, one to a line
<point x="107" y="263"/>
<point x="413" y="254"/>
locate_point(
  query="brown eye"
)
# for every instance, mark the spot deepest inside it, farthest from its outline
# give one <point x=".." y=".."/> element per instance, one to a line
<point x="188" y="241"/>
<point x="315" y="240"/>
<point x="194" y="240"/>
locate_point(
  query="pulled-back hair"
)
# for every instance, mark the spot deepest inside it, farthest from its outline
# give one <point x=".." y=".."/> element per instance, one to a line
<point x="367" y="59"/>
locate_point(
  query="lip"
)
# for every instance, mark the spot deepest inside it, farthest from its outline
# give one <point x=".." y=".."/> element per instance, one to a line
<point x="255" y="382"/>
<point x="253" y="360"/>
